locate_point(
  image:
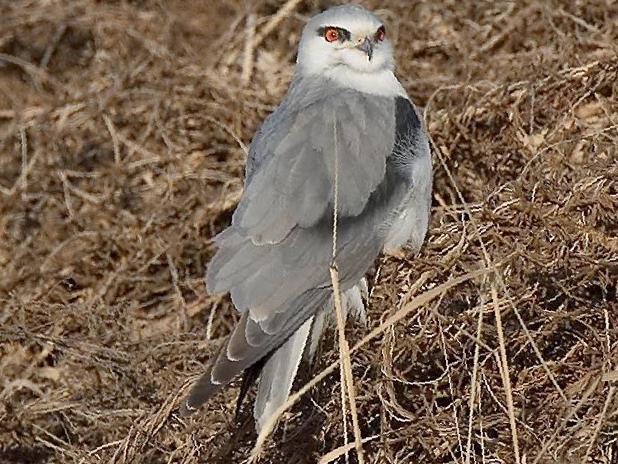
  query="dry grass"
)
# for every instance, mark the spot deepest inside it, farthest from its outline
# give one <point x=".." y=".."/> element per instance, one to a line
<point x="123" y="128"/>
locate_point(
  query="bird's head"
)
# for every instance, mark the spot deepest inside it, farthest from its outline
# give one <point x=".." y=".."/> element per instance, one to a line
<point x="345" y="38"/>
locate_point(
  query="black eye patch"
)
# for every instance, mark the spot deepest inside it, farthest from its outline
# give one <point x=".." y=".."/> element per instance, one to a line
<point x="344" y="34"/>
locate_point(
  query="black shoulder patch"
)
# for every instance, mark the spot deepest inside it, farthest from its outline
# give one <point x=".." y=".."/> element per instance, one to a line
<point x="406" y="119"/>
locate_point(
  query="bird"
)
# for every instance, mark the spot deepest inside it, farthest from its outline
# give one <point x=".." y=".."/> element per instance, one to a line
<point x="345" y="147"/>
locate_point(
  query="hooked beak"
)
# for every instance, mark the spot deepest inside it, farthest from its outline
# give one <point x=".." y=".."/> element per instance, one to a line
<point x="367" y="47"/>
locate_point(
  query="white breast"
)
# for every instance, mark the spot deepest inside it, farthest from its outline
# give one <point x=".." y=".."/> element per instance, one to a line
<point x="382" y="83"/>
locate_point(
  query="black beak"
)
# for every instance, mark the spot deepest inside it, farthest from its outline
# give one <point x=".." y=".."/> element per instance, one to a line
<point x="367" y="47"/>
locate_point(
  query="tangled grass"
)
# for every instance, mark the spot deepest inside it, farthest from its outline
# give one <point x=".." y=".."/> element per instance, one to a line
<point x="123" y="129"/>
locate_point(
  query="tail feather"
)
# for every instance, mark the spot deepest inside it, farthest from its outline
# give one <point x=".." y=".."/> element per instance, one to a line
<point x="249" y="376"/>
<point x="252" y="346"/>
<point x="247" y="345"/>
<point x="278" y="375"/>
<point x="201" y="391"/>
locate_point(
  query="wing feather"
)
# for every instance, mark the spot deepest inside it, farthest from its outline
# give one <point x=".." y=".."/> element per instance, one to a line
<point x="294" y="183"/>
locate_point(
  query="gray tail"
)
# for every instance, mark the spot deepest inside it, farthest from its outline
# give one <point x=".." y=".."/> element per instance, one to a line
<point x="278" y="375"/>
<point x="248" y="345"/>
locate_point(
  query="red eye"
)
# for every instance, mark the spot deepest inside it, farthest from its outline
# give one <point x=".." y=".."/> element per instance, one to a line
<point x="331" y="34"/>
<point x="380" y="34"/>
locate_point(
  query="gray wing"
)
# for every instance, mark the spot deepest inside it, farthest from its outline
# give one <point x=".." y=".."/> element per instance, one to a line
<point x="295" y="153"/>
<point x="274" y="259"/>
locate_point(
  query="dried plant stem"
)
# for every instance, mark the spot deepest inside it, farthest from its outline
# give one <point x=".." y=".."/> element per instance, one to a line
<point x="344" y="349"/>
<point x="344" y="409"/>
<point x="346" y="364"/>
<point x="281" y="14"/>
<point x="602" y="417"/>
<point x="474" y="384"/>
<point x="504" y="371"/>
<point x="247" y="64"/>
<point x="342" y="450"/>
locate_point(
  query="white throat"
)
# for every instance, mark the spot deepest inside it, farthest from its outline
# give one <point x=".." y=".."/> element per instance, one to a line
<point x="382" y="83"/>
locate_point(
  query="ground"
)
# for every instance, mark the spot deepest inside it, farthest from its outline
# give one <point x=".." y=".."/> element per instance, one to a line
<point x="123" y="129"/>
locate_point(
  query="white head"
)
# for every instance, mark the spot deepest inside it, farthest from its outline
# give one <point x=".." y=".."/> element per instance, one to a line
<point x="345" y="39"/>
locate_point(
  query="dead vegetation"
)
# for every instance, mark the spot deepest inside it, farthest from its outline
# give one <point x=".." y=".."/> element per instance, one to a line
<point x="123" y="126"/>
